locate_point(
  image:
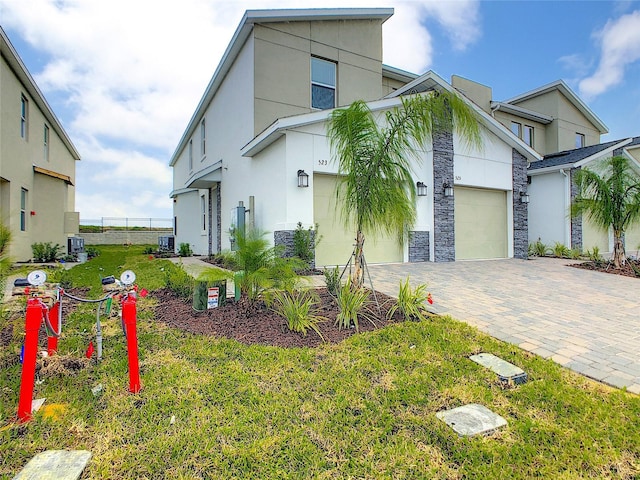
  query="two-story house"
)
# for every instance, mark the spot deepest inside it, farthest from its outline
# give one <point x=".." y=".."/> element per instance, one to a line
<point x="560" y="126"/>
<point x="258" y="137"/>
<point x="37" y="162"/>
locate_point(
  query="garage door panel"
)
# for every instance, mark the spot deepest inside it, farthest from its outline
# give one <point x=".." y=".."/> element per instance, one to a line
<point x="337" y="242"/>
<point x="480" y="223"/>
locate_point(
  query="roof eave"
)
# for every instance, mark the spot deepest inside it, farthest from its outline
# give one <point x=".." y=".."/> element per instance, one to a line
<point x="521" y="112"/>
<point x="567" y="92"/>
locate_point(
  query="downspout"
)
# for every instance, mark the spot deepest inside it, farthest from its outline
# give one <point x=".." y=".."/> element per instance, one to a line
<point x="567" y="207"/>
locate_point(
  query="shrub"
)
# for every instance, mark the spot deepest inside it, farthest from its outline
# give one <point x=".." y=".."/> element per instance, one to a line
<point x="411" y="302"/>
<point x="92" y="252"/>
<point x="575" y="253"/>
<point x="179" y="281"/>
<point x="332" y="280"/>
<point x="299" y="309"/>
<point x="45" y="252"/>
<point x="185" y="250"/>
<point x="352" y="302"/>
<point x="305" y="241"/>
<point x="5" y="261"/>
<point x="594" y="255"/>
<point x="262" y="266"/>
<point x="538" y="249"/>
<point x="560" y="250"/>
<point x="149" y="250"/>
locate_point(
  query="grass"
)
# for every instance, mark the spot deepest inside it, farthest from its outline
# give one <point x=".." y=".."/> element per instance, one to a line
<point x="362" y="409"/>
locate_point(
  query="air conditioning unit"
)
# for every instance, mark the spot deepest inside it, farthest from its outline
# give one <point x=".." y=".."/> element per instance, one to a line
<point x="75" y="245"/>
<point x="167" y="243"/>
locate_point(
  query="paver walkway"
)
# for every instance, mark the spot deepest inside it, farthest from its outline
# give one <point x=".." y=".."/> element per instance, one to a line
<point x="587" y="321"/>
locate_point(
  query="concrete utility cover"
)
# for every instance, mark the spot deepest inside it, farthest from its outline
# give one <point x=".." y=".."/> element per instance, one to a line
<point x="505" y="370"/>
<point x="472" y="419"/>
<point x="55" y="465"/>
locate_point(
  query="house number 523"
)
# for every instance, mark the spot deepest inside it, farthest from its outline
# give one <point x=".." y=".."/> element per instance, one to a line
<point x="323" y="162"/>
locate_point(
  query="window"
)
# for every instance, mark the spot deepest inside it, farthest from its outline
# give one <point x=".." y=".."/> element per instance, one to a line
<point x="46" y="143"/>
<point x="23" y="210"/>
<point x="203" y="211"/>
<point x="190" y="155"/>
<point x="579" y="140"/>
<point x="24" y="116"/>
<point x="203" y="136"/>
<point x="527" y="135"/>
<point x="516" y="129"/>
<point x="323" y="84"/>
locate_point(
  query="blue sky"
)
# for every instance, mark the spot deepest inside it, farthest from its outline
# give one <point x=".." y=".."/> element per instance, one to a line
<point x="124" y="76"/>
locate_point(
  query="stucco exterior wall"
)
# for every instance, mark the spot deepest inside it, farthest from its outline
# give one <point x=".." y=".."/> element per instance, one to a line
<point x="49" y="198"/>
<point x="283" y="64"/>
<point x="541" y="132"/>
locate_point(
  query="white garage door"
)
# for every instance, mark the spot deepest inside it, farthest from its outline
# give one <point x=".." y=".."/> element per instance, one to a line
<point x="480" y="223"/>
<point x="337" y="242"/>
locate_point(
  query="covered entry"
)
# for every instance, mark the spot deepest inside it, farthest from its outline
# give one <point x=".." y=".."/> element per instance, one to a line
<point x="480" y="223"/>
<point x="337" y="241"/>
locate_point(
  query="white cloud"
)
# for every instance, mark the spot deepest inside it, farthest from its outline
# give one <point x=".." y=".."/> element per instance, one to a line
<point x="620" y="46"/>
<point x="131" y="73"/>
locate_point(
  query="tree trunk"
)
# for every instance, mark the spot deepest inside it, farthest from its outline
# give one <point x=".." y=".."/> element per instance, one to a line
<point x="357" y="279"/>
<point x="619" y="256"/>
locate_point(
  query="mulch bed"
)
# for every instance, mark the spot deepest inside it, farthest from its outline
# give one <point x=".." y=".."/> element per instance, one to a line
<point x="606" y="267"/>
<point x="258" y="325"/>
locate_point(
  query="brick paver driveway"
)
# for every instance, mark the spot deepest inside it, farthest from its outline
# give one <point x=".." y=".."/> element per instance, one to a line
<point x="587" y="321"/>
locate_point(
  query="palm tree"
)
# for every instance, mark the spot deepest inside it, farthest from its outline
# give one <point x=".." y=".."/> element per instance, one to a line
<point x="375" y="183"/>
<point x="610" y="199"/>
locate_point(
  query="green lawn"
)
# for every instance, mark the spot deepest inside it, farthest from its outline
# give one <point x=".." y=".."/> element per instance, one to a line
<point x="361" y="409"/>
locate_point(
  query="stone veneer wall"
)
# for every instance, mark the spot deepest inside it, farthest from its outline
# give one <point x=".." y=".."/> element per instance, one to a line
<point x="576" y="222"/>
<point x="418" y="247"/>
<point x="219" y="217"/>
<point x="285" y="238"/>
<point x="443" y="207"/>
<point x="520" y="210"/>
<point x="209" y="220"/>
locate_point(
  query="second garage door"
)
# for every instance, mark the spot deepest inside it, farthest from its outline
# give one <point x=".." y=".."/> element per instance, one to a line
<point x="480" y="223"/>
<point x="337" y="241"/>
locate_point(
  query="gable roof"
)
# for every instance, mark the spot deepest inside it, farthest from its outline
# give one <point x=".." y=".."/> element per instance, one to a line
<point x="576" y="157"/>
<point x="427" y="82"/>
<point x="249" y="19"/>
<point x="20" y="71"/>
<point x="563" y="88"/>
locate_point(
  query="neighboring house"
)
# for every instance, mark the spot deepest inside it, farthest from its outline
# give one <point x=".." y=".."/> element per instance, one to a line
<point x="37" y="162"/>
<point x="561" y="127"/>
<point x="258" y="137"/>
<point x="552" y="190"/>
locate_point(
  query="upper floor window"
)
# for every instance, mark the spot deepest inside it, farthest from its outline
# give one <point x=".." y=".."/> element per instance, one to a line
<point x="579" y="140"/>
<point x="527" y="135"/>
<point x="24" y="116"/>
<point x="203" y="138"/>
<point x="323" y="84"/>
<point x="190" y="155"/>
<point x="516" y="129"/>
<point x="23" y="210"/>
<point x="46" y="143"/>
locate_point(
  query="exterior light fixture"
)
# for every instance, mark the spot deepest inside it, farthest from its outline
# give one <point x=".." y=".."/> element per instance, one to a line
<point x="524" y="196"/>
<point x="448" y="189"/>
<point x="421" y="189"/>
<point x="303" y="179"/>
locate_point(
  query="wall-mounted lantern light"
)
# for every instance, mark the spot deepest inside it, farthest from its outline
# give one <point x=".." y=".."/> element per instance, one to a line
<point x="524" y="196"/>
<point x="448" y="189"/>
<point x="303" y="179"/>
<point x="421" y="189"/>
